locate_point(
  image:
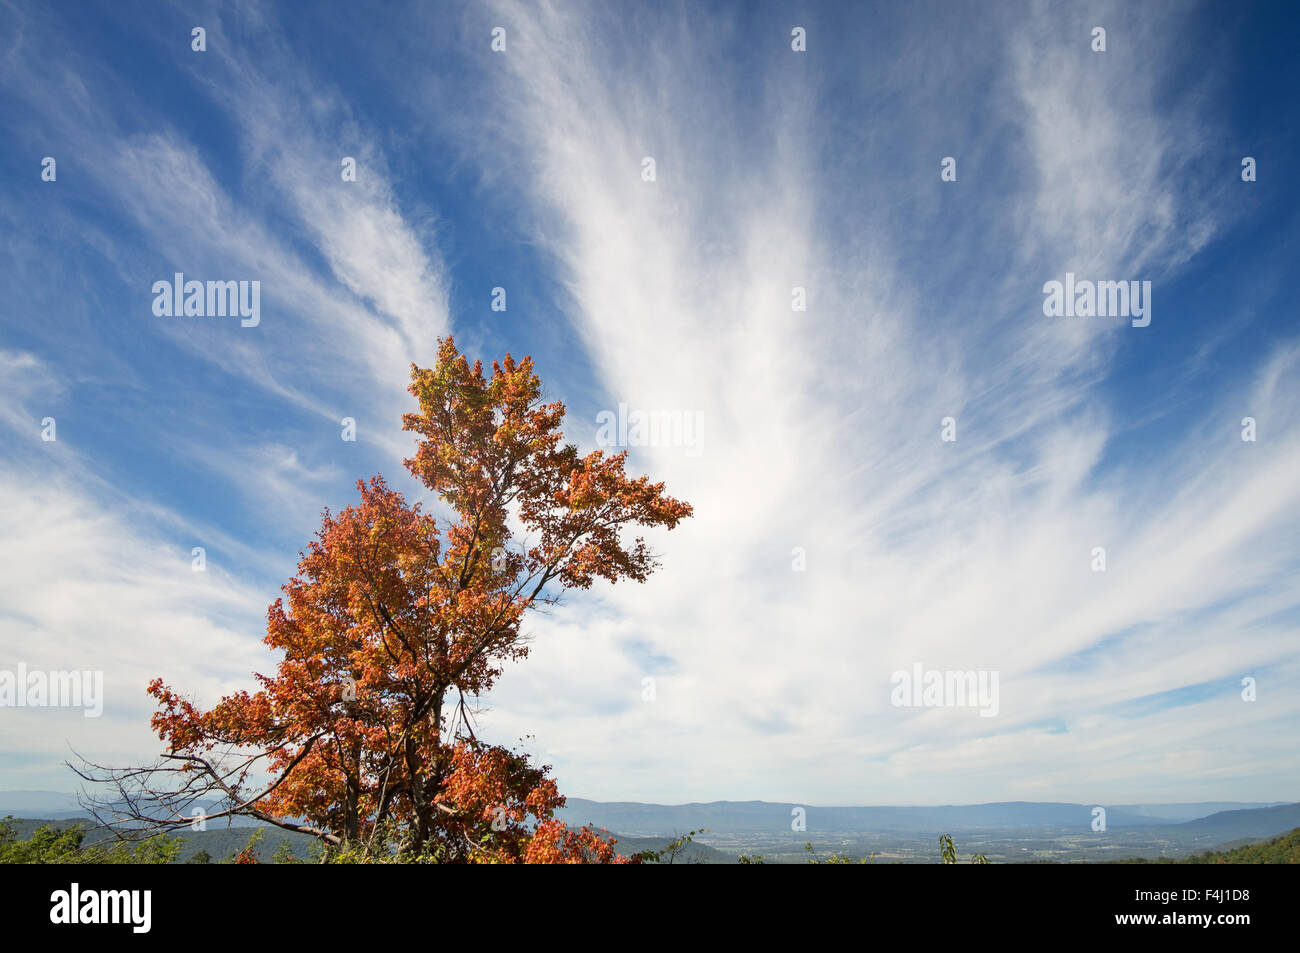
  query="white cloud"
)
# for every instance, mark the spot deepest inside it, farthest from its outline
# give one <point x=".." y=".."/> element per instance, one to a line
<point x="90" y="582"/>
<point x="823" y="432"/>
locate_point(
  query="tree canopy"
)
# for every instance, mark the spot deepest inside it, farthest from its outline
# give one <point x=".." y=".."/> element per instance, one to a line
<point x="393" y="623"/>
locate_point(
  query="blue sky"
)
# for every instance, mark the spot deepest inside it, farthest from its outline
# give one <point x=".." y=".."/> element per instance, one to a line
<point x="775" y="169"/>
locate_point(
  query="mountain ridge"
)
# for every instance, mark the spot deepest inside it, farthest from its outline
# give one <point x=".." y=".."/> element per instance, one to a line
<point x="720" y="817"/>
<point x="637" y="818"/>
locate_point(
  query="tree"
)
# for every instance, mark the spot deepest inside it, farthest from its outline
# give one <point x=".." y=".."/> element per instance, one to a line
<point x="947" y="849"/>
<point x="948" y="852"/>
<point x="364" y="734"/>
<point x="678" y="847"/>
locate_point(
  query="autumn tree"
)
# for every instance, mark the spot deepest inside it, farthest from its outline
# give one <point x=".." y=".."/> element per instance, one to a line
<point x="395" y="622"/>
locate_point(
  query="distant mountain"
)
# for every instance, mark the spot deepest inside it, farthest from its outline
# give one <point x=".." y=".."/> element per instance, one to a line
<point x="51" y="804"/>
<point x="1236" y="825"/>
<point x="59" y="806"/>
<point x="750" y="817"/>
<point x="1223" y="821"/>
<point x="747" y="817"/>
<point x="1178" y="813"/>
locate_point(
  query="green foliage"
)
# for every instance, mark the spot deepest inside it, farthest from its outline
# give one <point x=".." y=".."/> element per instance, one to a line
<point x="49" y="844"/>
<point x="835" y="858"/>
<point x="248" y="854"/>
<point x="947" y="849"/>
<point x="674" y="851"/>
<point x="287" y="852"/>
<point x="284" y="854"/>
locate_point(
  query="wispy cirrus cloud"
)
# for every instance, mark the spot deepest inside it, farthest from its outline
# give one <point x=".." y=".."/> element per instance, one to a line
<point x="352" y="292"/>
<point x="822" y="430"/>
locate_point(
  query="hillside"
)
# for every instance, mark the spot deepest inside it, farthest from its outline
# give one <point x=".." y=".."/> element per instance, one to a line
<point x="1257" y="822"/>
<point x="1279" y="850"/>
